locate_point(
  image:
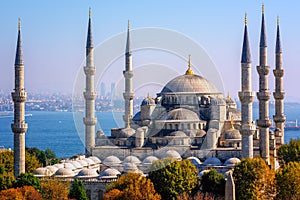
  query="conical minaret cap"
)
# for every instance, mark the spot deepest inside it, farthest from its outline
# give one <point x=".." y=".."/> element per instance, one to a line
<point x="263" y="37"/>
<point x="19" y="52"/>
<point x="278" y="41"/>
<point x="128" y="46"/>
<point x="89" y="41"/>
<point x="246" y="55"/>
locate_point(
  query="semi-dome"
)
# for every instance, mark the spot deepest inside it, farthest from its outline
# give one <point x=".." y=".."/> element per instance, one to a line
<point x="173" y="154"/>
<point x="132" y="159"/>
<point x="177" y="134"/>
<point x="194" y="160"/>
<point x="149" y="160"/>
<point x="189" y="84"/>
<point x="87" y="172"/>
<point x="181" y="114"/>
<point x="110" y="172"/>
<point x="232" y="134"/>
<point x="42" y="171"/>
<point x="64" y="172"/>
<point x="111" y="160"/>
<point x="232" y="161"/>
<point x="212" y="161"/>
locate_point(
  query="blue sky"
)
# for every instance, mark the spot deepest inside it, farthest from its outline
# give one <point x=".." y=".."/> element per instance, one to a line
<point x="54" y="35"/>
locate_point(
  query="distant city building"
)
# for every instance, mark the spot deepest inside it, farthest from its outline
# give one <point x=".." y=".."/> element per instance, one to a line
<point x="102" y="90"/>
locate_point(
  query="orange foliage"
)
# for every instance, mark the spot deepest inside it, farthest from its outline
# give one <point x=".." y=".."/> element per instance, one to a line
<point x="22" y="193"/>
<point x="113" y="194"/>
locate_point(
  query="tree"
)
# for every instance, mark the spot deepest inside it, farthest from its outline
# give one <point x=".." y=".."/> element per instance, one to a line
<point x="24" y="193"/>
<point x="27" y="179"/>
<point x="289" y="152"/>
<point x="7" y="180"/>
<point x="132" y="186"/>
<point x="77" y="190"/>
<point x="7" y="161"/>
<point x="213" y="182"/>
<point x="31" y="163"/>
<point x="171" y="178"/>
<point x="54" y="189"/>
<point x="254" y="179"/>
<point x="288" y="181"/>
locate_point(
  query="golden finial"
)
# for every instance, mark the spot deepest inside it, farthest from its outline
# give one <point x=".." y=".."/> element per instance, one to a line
<point x="228" y="96"/>
<point x="19" y="24"/>
<point x="128" y="121"/>
<point x="232" y="123"/>
<point x="263" y="9"/>
<point x="245" y="19"/>
<point x="128" y="25"/>
<point x="278" y="20"/>
<point x="148" y="96"/>
<point x="90" y="12"/>
<point x="189" y="71"/>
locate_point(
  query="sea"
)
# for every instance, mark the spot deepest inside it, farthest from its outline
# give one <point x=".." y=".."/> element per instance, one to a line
<point x="64" y="134"/>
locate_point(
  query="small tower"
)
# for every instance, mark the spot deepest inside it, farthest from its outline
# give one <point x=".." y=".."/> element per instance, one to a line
<point x="246" y="97"/>
<point x="279" y="117"/>
<point x="89" y="94"/>
<point x="263" y="95"/>
<point x="229" y="188"/>
<point x="128" y="74"/>
<point x="19" y="127"/>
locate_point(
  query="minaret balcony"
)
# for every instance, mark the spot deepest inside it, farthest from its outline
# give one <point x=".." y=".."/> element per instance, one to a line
<point x="90" y="121"/>
<point x="279" y="118"/>
<point x="89" y="95"/>
<point x="128" y="95"/>
<point x="19" y="96"/>
<point x="246" y="97"/>
<point x="264" y="123"/>
<point x="278" y="95"/>
<point x="19" y="127"/>
<point x="89" y="70"/>
<point x="263" y="70"/>
<point x="128" y="74"/>
<point x="278" y="73"/>
<point x="263" y="96"/>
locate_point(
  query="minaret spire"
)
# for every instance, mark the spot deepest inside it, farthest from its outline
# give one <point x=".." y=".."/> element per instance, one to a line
<point x="263" y="95"/>
<point x="89" y="94"/>
<point x="19" y="127"/>
<point x="128" y="74"/>
<point x="279" y="117"/>
<point x="246" y="96"/>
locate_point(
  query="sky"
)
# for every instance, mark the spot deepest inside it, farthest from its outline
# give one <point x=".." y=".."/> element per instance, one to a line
<point x="54" y="38"/>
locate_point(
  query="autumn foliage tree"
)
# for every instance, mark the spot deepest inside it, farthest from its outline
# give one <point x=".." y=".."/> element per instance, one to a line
<point x="52" y="189"/>
<point x="254" y="180"/>
<point x="289" y="152"/>
<point x="288" y="181"/>
<point x="132" y="186"/>
<point x="171" y="178"/>
<point x="22" y="193"/>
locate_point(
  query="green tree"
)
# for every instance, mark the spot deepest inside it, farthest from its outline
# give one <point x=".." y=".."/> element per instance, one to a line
<point x="213" y="182"/>
<point x="7" y="161"/>
<point x="7" y="180"/>
<point x="50" y="154"/>
<point x="27" y="179"/>
<point x="254" y="180"/>
<point x="171" y="178"/>
<point x="31" y="163"/>
<point x="77" y="190"/>
<point x="288" y="181"/>
<point x="289" y="152"/>
<point x="132" y="186"/>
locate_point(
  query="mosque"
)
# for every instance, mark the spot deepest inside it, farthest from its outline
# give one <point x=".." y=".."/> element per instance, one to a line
<point x="188" y="119"/>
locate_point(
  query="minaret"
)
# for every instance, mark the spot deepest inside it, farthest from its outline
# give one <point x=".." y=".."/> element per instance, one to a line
<point x="128" y="74"/>
<point x="246" y="97"/>
<point x="19" y="95"/>
<point x="90" y="120"/>
<point x="279" y="117"/>
<point x="263" y="95"/>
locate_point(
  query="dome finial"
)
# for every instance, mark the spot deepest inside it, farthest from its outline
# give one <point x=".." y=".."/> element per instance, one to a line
<point x="90" y="12"/>
<point x="263" y="9"/>
<point x="245" y="19"/>
<point x="189" y="71"/>
<point x="148" y="96"/>
<point x="278" y="20"/>
<point x="232" y="123"/>
<point x="228" y="96"/>
<point x="128" y="25"/>
<point x="19" y="24"/>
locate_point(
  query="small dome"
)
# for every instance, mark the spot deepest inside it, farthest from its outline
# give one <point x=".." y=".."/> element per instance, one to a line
<point x="203" y="172"/>
<point x="89" y="161"/>
<point x="131" y="159"/>
<point x="130" y="167"/>
<point x="149" y="160"/>
<point x="76" y="164"/>
<point x="173" y="154"/>
<point x="110" y="172"/>
<point x="212" y="161"/>
<point x="52" y="169"/>
<point x="42" y="171"/>
<point x="87" y="172"/>
<point x="111" y="160"/>
<point x="181" y="114"/>
<point x="232" y="162"/>
<point x="126" y="133"/>
<point x="59" y="165"/>
<point x="69" y="166"/>
<point x="194" y="160"/>
<point x="64" y="172"/>
<point x="232" y="134"/>
<point x="148" y="101"/>
<point x="83" y="163"/>
<point x="95" y="159"/>
<point x="229" y="100"/>
<point x="177" y="134"/>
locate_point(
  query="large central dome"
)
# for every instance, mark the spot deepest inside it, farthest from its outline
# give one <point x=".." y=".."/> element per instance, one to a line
<point x="190" y="84"/>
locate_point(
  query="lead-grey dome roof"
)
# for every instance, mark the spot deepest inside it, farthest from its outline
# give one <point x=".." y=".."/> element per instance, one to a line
<point x="181" y="114"/>
<point x="110" y="172"/>
<point x="87" y="172"/>
<point x="132" y="159"/>
<point x="212" y="161"/>
<point x="189" y="84"/>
